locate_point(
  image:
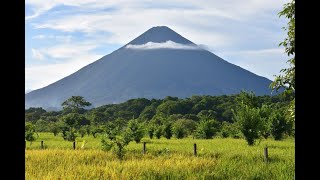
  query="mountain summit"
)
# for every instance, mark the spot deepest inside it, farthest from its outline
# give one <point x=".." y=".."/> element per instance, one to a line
<point x="158" y="63"/>
<point x="159" y="34"/>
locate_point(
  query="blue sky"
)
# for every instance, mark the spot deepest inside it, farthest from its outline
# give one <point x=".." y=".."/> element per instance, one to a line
<point x="62" y="36"/>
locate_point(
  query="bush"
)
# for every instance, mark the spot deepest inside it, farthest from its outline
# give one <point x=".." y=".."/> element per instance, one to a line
<point x="249" y="122"/>
<point x="117" y="145"/>
<point x="136" y="130"/>
<point x="158" y="132"/>
<point x="206" y="129"/>
<point x="183" y="127"/>
<point x="279" y="125"/>
<point x="167" y="130"/>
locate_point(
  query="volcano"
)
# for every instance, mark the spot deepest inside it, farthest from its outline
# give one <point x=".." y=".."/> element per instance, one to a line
<point x="156" y="64"/>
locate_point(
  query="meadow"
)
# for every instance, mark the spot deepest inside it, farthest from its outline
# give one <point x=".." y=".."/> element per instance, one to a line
<point x="218" y="158"/>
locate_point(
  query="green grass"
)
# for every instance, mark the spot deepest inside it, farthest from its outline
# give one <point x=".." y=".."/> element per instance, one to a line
<point x="165" y="159"/>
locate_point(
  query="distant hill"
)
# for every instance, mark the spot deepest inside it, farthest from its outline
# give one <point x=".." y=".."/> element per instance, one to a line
<point x="158" y="63"/>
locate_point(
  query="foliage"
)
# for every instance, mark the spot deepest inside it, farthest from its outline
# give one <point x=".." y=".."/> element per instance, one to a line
<point x="75" y="120"/>
<point x="29" y="132"/>
<point x="207" y="128"/>
<point x="279" y="125"/>
<point x="287" y="79"/>
<point x="151" y="130"/>
<point x="230" y="130"/>
<point x="167" y="130"/>
<point x="54" y="128"/>
<point x="158" y="131"/>
<point x="265" y="114"/>
<point x="117" y="144"/>
<point x="217" y="107"/>
<point x="75" y="104"/>
<point x="82" y="131"/>
<point x="95" y="130"/>
<point x="70" y="135"/>
<point x="250" y="122"/>
<point x="42" y="126"/>
<point x="183" y="127"/>
<point x="136" y="130"/>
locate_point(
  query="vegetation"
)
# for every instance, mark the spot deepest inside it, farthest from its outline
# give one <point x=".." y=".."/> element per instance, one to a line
<point x="237" y="116"/>
<point x="287" y="79"/>
<point x="218" y="158"/>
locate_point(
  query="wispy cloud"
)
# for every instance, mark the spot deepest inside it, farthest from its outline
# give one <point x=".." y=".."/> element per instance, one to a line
<point x="164" y="45"/>
<point x="263" y="62"/>
<point x="67" y="51"/>
<point x="36" y="54"/>
<point x="43" y="75"/>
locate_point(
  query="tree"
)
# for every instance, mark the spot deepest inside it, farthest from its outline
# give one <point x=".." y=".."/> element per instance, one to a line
<point x="54" y="128"/>
<point x="230" y="130"/>
<point x="158" y="132"/>
<point x="207" y="128"/>
<point x="279" y="124"/>
<point x="136" y="130"/>
<point x="247" y="98"/>
<point x="249" y="121"/>
<point x="167" y="130"/>
<point x="42" y="126"/>
<point x="75" y="103"/>
<point x="71" y="134"/>
<point x="265" y="114"/>
<point x="183" y="127"/>
<point x="82" y="131"/>
<point x="29" y="132"/>
<point x="287" y="79"/>
<point x="151" y="129"/>
<point x="75" y="120"/>
<point x="95" y="130"/>
<point x="117" y="144"/>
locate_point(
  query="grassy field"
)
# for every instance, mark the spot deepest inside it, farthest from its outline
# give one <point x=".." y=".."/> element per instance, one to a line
<point x="165" y="159"/>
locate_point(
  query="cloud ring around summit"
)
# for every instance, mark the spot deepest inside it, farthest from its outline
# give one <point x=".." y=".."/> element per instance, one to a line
<point x="164" y="45"/>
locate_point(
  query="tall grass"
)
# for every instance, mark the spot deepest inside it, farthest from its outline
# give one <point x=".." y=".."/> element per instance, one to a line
<point x="165" y="159"/>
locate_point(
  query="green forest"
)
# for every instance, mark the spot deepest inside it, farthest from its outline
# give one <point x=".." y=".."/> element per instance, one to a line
<point x="243" y="115"/>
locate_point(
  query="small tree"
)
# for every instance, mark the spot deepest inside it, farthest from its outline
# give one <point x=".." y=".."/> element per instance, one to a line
<point x="95" y="130"/>
<point x="29" y="132"/>
<point x="117" y="144"/>
<point x="136" y="130"/>
<point x="54" y="128"/>
<point x="151" y="130"/>
<point x="230" y="130"/>
<point x="167" y="130"/>
<point x="250" y="123"/>
<point x="158" y="132"/>
<point x="75" y="104"/>
<point x="179" y="130"/>
<point x="82" y="131"/>
<point x="207" y="128"/>
<point x="183" y="127"/>
<point x="279" y="125"/>
<point x="265" y="114"/>
<point x="71" y="134"/>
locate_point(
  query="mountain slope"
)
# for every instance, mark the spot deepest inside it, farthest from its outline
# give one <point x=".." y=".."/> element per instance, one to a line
<point x="151" y="73"/>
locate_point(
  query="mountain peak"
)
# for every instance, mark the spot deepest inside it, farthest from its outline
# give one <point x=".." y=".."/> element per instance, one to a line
<point x="160" y="34"/>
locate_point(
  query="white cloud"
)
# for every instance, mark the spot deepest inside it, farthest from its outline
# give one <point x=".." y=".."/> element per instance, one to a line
<point x="164" y="45"/>
<point x="40" y="36"/>
<point x="42" y="75"/>
<point x="65" y="51"/>
<point x="36" y="54"/>
<point x="263" y="62"/>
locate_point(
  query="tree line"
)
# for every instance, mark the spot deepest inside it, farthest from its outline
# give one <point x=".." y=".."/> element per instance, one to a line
<point x="243" y="115"/>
